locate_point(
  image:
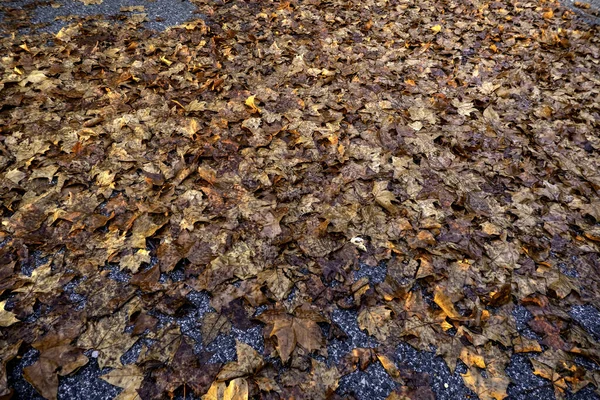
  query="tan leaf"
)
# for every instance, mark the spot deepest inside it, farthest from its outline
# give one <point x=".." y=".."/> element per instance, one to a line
<point x="56" y="357"/>
<point x="374" y="320"/>
<point x="291" y="329"/>
<point x="216" y="391"/>
<point x="444" y="302"/>
<point x="7" y="318"/>
<point x="277" y="282"/>
<point x="132" y="262"/>
<point x="248" y="362"/>
<point x="323" y="381"/>
<point x="7" y="353"/>
<point x="471" y="358"/>
<point x="384" y="197"/>
<point x="213" y="324"/>
<point x="524" y="345"/>
<point x="388" y="365"/>
<point x="15" y="176"/>
<point x="236" y="390"/>
<point x="129" y="378"/>
<point x="491" y="388"/>
<point x="108" y="338"/>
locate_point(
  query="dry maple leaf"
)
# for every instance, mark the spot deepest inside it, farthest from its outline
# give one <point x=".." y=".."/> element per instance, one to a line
<point x="322" y="382"/>
<point x="212" y="325"/>
<point x="163" y="350"/>
<point x="186" y="370"/>
<point x="129" y="378"/>
<point x="7" y="353"/>
<point x="375" y="321"/>
<point x="490" y="388"/>
<point x="384" y="197"/>
<point x="442" y="300"/>
<point x="237" y="389"/>
<point x="7" y="318"/>
<point x="107" y="336"/>
<point x="558" y="367"/>
<point x="291" y="329"/>
<point x="277" y="281"/>
<point x="57" y="357"/>
<point x="248" y="362"/>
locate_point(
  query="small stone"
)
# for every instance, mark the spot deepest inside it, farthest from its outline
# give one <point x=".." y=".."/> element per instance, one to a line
<point x="95" y="354"/>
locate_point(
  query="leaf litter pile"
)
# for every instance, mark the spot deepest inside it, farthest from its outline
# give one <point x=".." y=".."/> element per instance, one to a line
<point x="264" y="153"/>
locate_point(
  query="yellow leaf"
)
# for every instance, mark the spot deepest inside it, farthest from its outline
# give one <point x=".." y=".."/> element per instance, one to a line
<point x="236" y="390"/>
<point x="250" y="103"/>
<point x="469" y="357"/>
<point x="215" y="392"/>
<point x="436" y="28"/>
<point x="445" y="304"/>
<point x="490" y="388"/>
<point x="389" y="365"/>
<point x="165" y="61"/>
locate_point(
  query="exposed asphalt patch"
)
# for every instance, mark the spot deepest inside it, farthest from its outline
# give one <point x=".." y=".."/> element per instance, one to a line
<point x="375" y="274"/>
<point x="522" y="316"/>
<point x="346" y="320"/>
<point x="589" y="318"/>
<point x="590" y="15"/>
<point x="161" y="14"/>
<point x="525" y="384"/>
<point x="445" y="385"/>
<point x="373" y="383"/>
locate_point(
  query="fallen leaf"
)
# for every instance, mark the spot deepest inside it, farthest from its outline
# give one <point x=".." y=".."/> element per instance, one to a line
<point x="7" y="318"/>
<point x="374" y="320"/>
<point x="248" y="362"/>
<point x="129" y="378"/>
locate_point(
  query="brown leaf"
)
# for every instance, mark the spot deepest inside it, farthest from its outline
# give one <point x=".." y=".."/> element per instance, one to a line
<point x="292" y="329"/>
<point x="57" y="357"/>
<point x="374" y="320"/>
<point x="7" y="318"/>
<point x="277" y="282"/>
<point x="7" y="353"/>
<point x="248" y="362"/>
<point x="212" y="325"/>
<point x="129" y="378"/>
<point x="107" y="336"/>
